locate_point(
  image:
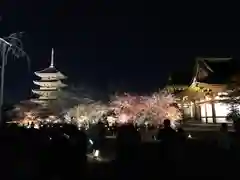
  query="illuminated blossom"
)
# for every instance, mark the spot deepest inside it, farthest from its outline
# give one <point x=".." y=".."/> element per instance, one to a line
<point x="162" y="106"/>
<point x="81" y="109"/>
<point x="139" y="109"/>
<point x="87" y="114"/>
<point x="128" y="107"/>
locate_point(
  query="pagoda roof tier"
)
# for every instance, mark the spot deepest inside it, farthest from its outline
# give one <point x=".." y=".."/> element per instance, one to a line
<point x="49" y="84"/>
<point x="50" y="75"/>
<point x="26" y="103"/>
<point x="49" y="70"/>
<point x="47" y="80"/>
<point x="48" y="98"/>
<point x="37" y="101"/>
<point x="45" y="90"/>
<point x="41" y="101"/>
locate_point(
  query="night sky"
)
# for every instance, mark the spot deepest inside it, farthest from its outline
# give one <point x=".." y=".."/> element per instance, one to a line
<point x="108" y="45"/>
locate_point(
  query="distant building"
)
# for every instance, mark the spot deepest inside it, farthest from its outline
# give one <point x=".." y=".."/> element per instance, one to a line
<point x="200" y="96"/>
<point x="50" y="83"/>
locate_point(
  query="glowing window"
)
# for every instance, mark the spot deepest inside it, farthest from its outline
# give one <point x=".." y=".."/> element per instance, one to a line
<point x="221" y="109"/>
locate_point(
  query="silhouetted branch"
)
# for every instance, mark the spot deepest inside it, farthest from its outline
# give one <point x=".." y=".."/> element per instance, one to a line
<point x="13" y="44"/>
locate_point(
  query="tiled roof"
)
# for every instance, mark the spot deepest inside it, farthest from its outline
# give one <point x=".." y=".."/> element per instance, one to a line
<point x="222" y="72"/>
<point x="48" y="70"/>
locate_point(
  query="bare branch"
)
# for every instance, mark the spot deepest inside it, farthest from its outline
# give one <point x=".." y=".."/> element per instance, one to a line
<point x="5" y="42"/>
<point x="15" y="46"/>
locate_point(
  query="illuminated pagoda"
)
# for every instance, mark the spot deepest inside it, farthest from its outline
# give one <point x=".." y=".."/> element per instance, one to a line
<point x="49" y="84"/>
<point x="203" y="97"/>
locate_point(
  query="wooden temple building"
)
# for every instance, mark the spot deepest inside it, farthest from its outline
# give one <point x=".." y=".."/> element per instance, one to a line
<point x="202" y="97"/>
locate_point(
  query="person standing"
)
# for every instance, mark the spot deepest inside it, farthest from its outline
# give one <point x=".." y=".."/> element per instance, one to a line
<point x="99" y="139"/>
<point x="168" y="143"/>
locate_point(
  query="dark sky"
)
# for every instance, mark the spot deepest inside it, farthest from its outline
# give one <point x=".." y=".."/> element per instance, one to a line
<point x="110" y="45"/>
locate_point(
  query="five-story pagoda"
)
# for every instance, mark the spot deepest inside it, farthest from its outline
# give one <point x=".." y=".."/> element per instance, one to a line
<point x="49" y="84"/>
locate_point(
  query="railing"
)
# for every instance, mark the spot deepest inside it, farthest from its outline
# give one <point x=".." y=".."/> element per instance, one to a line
<point x="217" y="119"/>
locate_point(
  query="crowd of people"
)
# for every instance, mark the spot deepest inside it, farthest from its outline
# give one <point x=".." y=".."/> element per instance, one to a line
<point x="60" y="152"/>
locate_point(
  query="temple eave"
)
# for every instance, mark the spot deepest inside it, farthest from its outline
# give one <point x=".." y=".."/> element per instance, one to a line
<point x="47" y="98"/>
<point x="50" y="85"/>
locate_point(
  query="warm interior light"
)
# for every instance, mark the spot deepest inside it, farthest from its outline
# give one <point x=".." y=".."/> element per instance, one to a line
<point x="206" y="112"/>
<point x="96" y="153"/>
<point x="221" y="110"/>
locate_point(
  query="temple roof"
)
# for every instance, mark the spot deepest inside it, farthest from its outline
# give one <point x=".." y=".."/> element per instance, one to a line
<point x="207" y="70"/>
<point x="209" y="74"/>
<point x="220" y="72"/>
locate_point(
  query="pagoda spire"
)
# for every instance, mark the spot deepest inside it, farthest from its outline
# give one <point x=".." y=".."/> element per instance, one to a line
<point x="52" y="59"/>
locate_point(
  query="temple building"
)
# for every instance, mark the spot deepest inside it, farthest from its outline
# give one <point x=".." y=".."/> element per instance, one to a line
<point x="49" y="84"/>
<point x="204" y="96"/>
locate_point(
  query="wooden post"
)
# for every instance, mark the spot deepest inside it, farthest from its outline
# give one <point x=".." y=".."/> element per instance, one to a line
<point x="182" y="107"/>
<point x="213" y="112"/>
<point x="206" y="116"/>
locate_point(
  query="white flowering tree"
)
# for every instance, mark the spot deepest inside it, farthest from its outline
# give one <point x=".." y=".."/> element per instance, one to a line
<point x="11" y="45"/>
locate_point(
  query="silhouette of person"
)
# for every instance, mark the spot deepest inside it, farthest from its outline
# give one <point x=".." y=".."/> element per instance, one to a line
<point x="224" y="139"/>
<point x="167" y="133"/>
<point x="99" y="139"/>
<point x="32" y="125"/>
<point x="224" y="146"/>
<point x="182" y="137"/>
<point x="168" y="138"/>
<point x="236" y="126"/>
<point x="128" y="142"/>
<point x="79" y="151"/>
<point x="180" y="149"/>
<point x="236" y="144"/>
